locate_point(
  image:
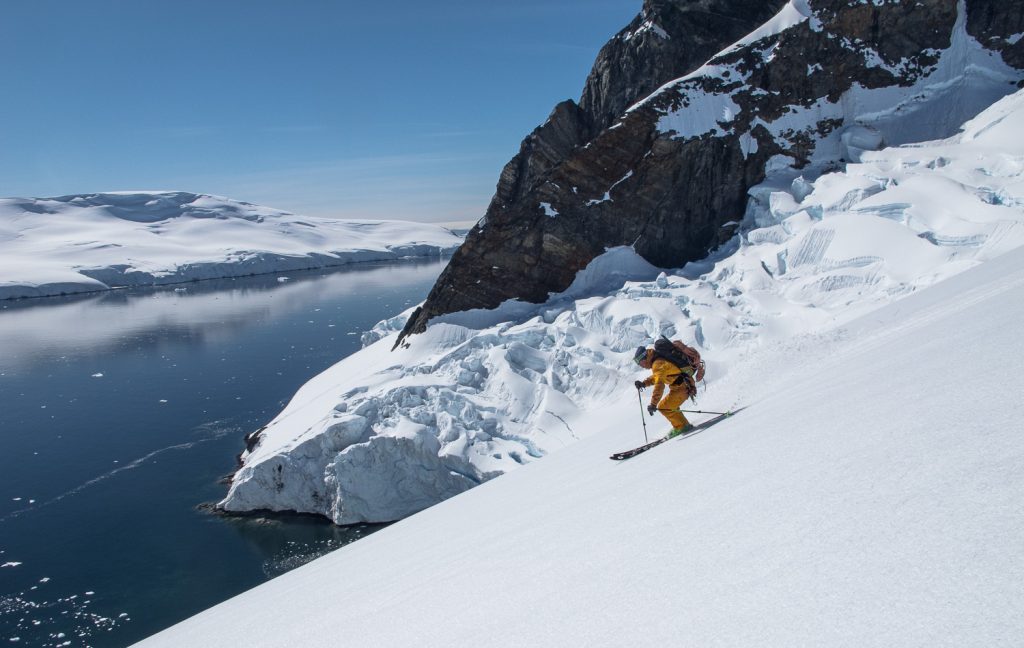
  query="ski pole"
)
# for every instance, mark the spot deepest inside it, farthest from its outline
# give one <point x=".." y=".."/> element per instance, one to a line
<point x="642" y="419"/>
<point x="703" y="412"/>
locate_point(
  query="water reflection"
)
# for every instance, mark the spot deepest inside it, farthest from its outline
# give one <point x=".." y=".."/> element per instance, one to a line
<point x="32" y="330"/>
<point x="119" y="414"/>
<point x="288" y="542"/>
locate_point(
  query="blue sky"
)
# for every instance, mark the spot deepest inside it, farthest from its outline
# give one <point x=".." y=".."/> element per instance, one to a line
<point x="330" y="108"/>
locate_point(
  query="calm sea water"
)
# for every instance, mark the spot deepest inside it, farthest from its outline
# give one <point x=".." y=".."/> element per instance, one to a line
<point x="119" y="415"/>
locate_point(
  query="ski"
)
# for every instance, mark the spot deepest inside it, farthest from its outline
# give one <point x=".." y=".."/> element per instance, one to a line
<point x="700" y="427"/>
<point x="635" y="451"/>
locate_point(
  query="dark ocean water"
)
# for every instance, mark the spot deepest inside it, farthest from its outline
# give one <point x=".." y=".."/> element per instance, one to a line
<point x="120" y="413"/>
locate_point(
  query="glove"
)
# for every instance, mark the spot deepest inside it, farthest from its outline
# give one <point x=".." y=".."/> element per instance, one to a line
<point x="638" y="385"/>
<point x="651" y="409"/>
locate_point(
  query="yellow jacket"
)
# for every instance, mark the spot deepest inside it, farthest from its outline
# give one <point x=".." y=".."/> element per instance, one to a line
<point x="663" y="373"/>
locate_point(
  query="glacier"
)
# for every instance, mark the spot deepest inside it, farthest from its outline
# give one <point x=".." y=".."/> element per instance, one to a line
<point x="869" y="495"/>
<point x="89" y="242"/>
<point x="382" y="435"/>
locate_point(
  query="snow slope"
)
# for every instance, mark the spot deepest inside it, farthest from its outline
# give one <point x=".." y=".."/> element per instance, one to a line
<point x="869" y="495"/>
<point x="52" y="246"/>
<point x="382" y="435"/>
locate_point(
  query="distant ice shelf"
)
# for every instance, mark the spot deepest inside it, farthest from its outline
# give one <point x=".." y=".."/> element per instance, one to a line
<point x="90" y="242"/>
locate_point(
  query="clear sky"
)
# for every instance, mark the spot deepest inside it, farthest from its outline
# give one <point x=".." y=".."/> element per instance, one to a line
<point x="402" y="109"/>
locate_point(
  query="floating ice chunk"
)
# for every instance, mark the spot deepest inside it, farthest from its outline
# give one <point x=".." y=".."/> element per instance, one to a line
<point x="97" y="375"/>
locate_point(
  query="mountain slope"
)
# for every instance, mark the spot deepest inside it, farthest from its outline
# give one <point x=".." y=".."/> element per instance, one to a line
<point x="666" y="40"/>
<point x="802" y="94"/>
<point x="868" y="496"/>
<point x="382" y="435"/>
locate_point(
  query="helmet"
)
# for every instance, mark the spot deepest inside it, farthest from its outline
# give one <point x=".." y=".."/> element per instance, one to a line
<point x="640" y="355"/>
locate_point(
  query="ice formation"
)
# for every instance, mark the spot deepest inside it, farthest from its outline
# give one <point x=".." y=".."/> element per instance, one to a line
<point x="382" y="435"/>
<point x="82" y="243"/>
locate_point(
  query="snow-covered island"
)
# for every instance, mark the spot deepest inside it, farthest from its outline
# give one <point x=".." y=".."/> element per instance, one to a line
<point x="84" y="243"/>
<point x="868" y="494"/>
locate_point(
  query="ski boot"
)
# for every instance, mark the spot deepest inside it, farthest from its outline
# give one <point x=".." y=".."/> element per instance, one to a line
<point x="680" y="430"/>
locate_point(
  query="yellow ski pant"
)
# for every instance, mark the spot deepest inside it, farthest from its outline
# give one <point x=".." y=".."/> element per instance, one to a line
<point x="669" y="406"/>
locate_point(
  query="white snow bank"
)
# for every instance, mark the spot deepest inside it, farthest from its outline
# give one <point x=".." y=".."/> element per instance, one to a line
<point x="381" y="435"/>
<point x="52" y="246"/>
<point x="870" y="495"/>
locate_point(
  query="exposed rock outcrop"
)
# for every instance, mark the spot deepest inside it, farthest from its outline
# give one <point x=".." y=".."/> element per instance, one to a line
<point x="998" y="25"/>
<point x="666" y="40"/>
<point x="671" y="175"/>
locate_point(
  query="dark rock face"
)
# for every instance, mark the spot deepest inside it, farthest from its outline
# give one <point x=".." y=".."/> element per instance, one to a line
<point x="640" y="58"/>
<point x="994" y="24"/>
<point x="665" y="41"/>
<point x="669" y="175"/>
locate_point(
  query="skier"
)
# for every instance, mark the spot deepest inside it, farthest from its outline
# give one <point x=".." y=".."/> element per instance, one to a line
<point x="680" y="387"/>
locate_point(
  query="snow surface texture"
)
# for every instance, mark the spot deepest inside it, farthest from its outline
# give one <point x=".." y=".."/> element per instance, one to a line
<point x="868" y="496"/>
<point x="52" y="246"/>
<point x="382" y="435"/>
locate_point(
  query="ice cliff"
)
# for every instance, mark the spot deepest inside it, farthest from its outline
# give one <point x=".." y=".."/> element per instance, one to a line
<point x="382" y="435"/>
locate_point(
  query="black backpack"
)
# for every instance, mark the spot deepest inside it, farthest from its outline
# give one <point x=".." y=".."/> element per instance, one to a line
<point x="685" y="357"/>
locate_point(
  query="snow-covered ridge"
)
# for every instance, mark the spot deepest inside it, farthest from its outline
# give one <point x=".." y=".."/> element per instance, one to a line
<point x="381" y="435"/>
<point x="928" y="101"/>
<point x="81" y="243"/>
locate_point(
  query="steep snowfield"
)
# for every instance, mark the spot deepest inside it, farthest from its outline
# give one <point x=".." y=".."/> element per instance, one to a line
<point x="50" y="246"/>
<point x="382" y="435"/>
<point x="869" y="495"/>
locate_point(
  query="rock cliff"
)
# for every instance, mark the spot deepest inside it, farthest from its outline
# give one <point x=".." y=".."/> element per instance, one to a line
<point x="695" y="104"/>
